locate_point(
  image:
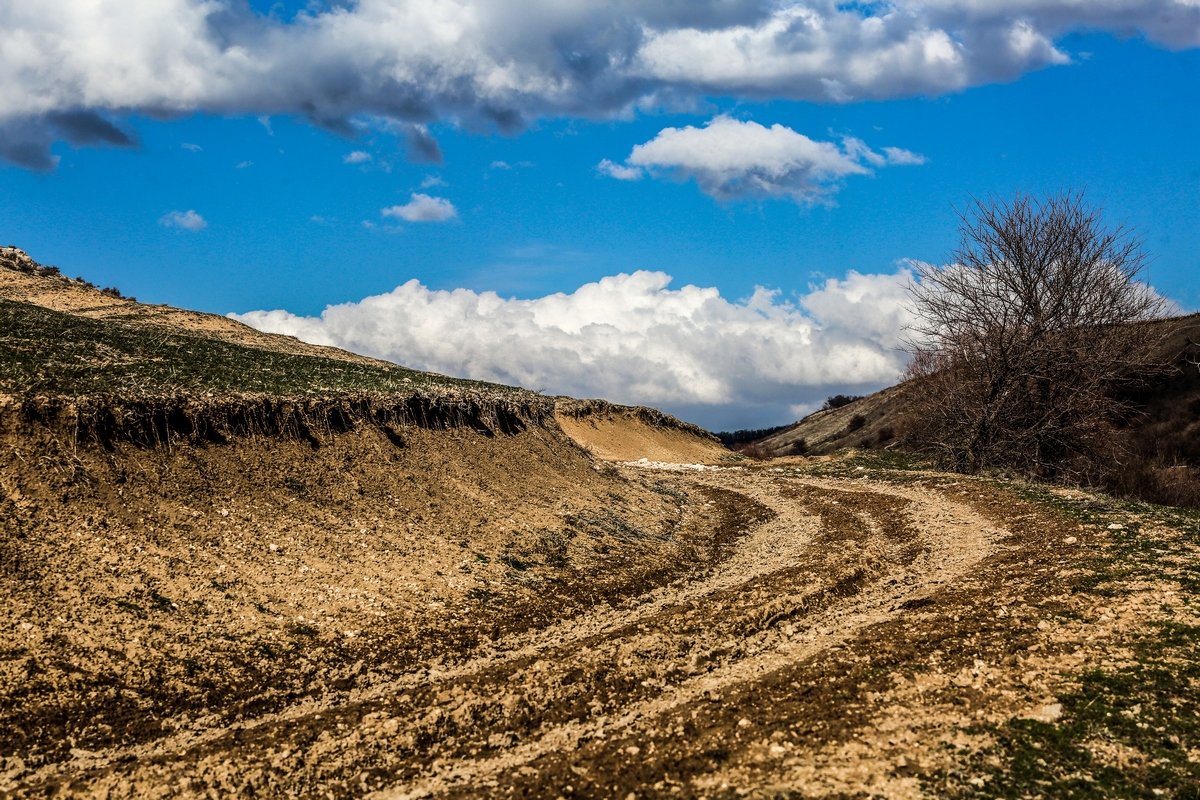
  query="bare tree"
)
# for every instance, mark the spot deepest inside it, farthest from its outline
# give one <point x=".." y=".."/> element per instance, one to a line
<point x="1026" y="335"/>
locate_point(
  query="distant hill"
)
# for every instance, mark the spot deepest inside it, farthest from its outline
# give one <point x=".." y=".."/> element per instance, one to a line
<point x="1164" y="433"/>
<point x="871" y="421"/>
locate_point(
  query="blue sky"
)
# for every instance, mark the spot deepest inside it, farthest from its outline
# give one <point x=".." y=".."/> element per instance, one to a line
<point x="288" y="224"/>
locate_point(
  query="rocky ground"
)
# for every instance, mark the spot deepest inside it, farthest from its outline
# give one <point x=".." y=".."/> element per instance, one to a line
<point x="822" y="628"/>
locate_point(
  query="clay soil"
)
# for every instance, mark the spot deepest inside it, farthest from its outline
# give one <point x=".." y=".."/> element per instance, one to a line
<point x="461" y="615"/>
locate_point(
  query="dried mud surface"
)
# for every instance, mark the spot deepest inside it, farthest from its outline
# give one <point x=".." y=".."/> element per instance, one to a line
<point x="707" y="632"/>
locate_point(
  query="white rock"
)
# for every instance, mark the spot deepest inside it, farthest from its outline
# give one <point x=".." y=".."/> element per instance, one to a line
<point x="1047" y="713"/>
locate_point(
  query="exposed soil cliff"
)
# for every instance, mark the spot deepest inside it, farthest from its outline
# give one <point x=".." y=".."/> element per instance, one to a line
<point x="629" y="433"/>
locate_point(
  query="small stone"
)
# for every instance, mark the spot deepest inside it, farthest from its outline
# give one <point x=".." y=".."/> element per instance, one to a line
<point x="744" y="723"/>
<point x="1070" y="540"/>
<point x="632" y="750"/>
<point x="1116" y="526"/>
<point x="1047" y="713"/>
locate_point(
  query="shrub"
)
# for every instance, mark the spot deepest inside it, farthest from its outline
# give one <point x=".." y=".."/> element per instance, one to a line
<point x="839" y="400"/>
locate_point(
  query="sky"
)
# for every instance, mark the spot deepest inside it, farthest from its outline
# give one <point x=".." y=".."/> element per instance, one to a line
<point x="708" y="207"/>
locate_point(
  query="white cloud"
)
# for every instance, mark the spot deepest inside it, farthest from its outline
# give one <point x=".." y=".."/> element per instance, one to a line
<point x="895" y="155"/>
<point x="432" y="182"/>
<point x="423" y="208"/>
<point x="185" y="220"/>
<point x="621" y="172"/>
<point x="357" y="157"/>
<point x="632" y="338"/>
<point x="190" y="147"/>
<point x="244" y="165"/>
<point x="503" y="63"/>
<point x="733" y="159"/>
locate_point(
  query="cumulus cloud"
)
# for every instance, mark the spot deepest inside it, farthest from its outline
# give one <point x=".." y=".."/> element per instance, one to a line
<point x="423" y="208"/>
<point x="184" y="220"/>
<point x="632" y="338"/>
<point x="356" y="157"/>
<point x="622" y="172"/>
<point x="501" y="63"/>
<point x="733" y="159"/>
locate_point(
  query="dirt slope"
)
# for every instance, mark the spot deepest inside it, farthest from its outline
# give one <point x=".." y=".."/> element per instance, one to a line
<point x="629" y="433"/>
<point x="871" y="421"/>
<point x="851" y="632"/>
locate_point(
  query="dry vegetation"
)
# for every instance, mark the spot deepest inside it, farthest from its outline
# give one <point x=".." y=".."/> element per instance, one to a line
<point x="1027" y="340"/>
<point x="1038" y="352"/>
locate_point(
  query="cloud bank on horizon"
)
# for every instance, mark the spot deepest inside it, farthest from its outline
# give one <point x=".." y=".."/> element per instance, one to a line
<point x="631" y="338"/>
<point x="73" y="69"/>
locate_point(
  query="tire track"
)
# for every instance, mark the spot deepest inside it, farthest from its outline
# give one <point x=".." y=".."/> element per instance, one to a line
<point x="957" y="538"/>
<point x="839" y="555"/>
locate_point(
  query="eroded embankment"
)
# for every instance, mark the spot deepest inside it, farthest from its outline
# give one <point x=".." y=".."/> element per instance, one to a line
<point x="173" y="569"/>
<point x="629" y="433"/>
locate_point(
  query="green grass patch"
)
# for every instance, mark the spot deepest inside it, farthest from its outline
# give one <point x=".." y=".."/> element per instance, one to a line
<point x="53" y="353"/>
<point x="1125" y="732"/>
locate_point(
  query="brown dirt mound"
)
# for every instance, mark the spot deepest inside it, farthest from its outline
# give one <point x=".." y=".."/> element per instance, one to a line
<point x="629" y="433"/>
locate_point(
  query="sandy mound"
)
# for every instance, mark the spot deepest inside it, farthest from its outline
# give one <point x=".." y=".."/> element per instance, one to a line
<point x="628" y="433"/>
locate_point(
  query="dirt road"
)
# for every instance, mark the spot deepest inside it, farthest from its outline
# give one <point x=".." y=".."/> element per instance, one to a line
<point x="836" y="558"/>
<point x="668" y="691"/>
